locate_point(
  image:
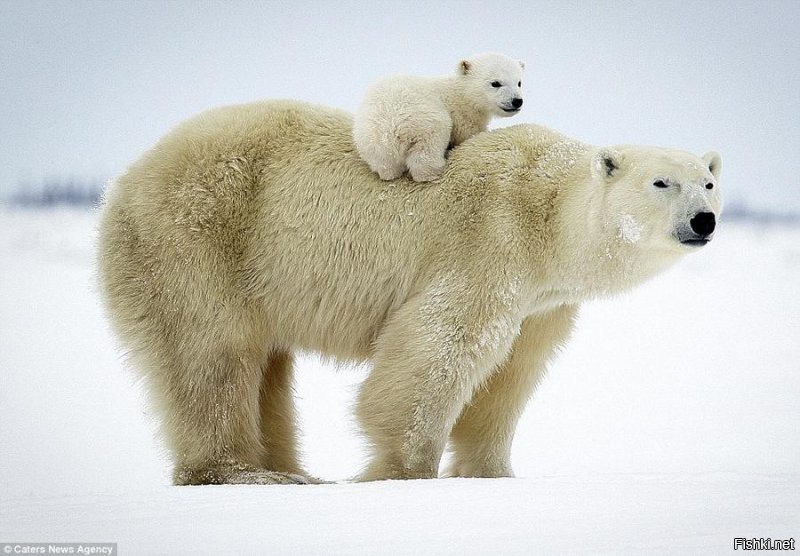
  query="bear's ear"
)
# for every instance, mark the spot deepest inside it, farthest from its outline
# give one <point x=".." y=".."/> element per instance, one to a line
<point x="521" y="64"/>
<point x="606" y="163"/>
<point x="714" y="163"/>
<point x="464" y="67"/>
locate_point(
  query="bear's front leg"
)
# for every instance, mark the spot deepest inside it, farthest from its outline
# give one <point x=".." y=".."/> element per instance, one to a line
<point x="429" y="360"/>
<point x="426" y="156"/>
<point x="481" y="438"/>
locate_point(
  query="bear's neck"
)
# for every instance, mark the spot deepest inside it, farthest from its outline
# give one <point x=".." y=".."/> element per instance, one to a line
<point x="599" y="254"/>
<point x="469" y="117"/>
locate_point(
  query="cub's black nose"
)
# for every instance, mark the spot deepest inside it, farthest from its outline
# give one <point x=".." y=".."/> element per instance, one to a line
<point x="703" y="223"/>
<point x="516" y="103"/>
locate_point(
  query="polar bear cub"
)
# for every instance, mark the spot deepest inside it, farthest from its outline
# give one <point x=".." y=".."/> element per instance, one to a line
<point x="408" y="122"/>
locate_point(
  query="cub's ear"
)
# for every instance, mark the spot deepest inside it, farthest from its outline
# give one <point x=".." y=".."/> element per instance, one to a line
<point x="606" y="163"/>
<point x="464" y="67"/>
<point x="521" y="64"/>
<point x="714" y="163"/>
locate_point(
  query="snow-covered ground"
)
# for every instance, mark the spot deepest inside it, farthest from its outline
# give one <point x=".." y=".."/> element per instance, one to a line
<point x="670" y="423"/>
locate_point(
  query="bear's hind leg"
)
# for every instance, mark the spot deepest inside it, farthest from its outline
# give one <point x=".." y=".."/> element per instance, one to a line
<point x="383" y="156"/>
<point x="278" y="421"/>
<point x="213" y="421"/>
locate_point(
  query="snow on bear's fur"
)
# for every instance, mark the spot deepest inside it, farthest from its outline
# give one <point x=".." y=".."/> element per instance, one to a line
<point x="407" y="122"/>
<point x="251" y="232"/>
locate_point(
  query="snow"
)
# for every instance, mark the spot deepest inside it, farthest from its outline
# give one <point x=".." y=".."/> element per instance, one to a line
<point x="602" y="514"/>
<point x="630" y="230"/>
<point x="669" y="423"/>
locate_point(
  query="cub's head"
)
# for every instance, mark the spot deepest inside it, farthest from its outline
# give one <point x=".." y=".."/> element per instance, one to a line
<point x="663" y="199"/>
<point x="494" y="80"/>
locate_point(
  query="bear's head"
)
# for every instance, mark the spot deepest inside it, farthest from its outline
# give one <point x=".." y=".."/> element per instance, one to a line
<point x="662" y="199"/>
<point x="493" y="81"/>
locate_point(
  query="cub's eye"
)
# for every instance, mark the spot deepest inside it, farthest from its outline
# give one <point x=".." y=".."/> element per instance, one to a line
<point x="496" y="84"/>
<point x="660" y="184"/>
<point x="519" y="83"/>
<point x="709" y="185"/>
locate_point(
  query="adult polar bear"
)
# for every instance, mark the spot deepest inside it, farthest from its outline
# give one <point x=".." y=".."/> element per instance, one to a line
<point x="252" y="231"/>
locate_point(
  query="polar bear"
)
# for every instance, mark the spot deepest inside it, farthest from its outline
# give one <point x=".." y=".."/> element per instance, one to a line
<point x="407" y="122"/>
<point x="254" y="231"/>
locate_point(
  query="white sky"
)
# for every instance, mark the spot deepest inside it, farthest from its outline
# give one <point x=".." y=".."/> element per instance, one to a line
<point x="85" y="87"/>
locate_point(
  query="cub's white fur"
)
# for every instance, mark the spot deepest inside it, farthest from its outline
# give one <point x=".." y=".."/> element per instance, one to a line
<point x="251" y="232"/>
<point x="407" y="122"/>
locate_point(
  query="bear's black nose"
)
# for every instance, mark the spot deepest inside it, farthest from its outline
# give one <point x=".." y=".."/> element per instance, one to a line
<point x="516" y="103"/>
<point x="703" y="223"/>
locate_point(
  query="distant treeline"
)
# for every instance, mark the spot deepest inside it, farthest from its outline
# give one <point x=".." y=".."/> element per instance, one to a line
<point x="87" y="193"/>
<point x="57" y="192"/>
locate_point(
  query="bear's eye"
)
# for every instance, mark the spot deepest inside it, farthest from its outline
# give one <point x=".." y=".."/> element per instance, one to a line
<point x="519" y="83"/>
<point x="496" y="84"/>
<point x="709" y="185"/>
<point x="660" y="184"/>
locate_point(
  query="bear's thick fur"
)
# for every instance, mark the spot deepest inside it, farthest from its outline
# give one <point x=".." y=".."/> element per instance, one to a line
<point x="250" y="232"/>
<point x="407" y="122"/>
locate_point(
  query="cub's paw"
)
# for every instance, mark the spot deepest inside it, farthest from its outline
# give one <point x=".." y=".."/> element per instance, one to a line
<point x="424" y="173"/>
